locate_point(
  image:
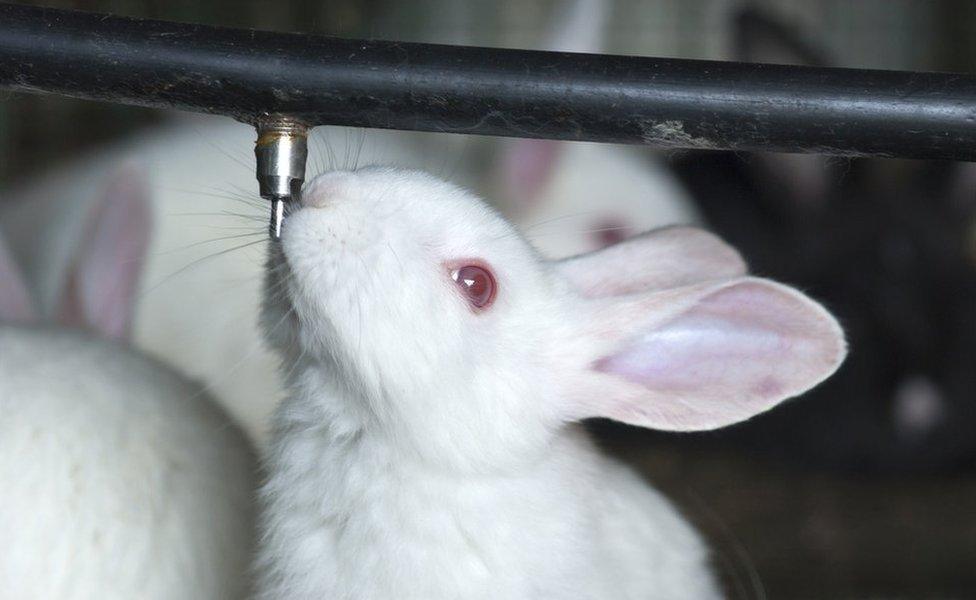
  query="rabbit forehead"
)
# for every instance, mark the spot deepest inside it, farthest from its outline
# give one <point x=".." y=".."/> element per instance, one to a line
<point x="402" y="208"/>
<point x="376" y="232"/>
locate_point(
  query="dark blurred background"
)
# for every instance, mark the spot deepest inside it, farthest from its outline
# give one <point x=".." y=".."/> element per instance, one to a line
<point x="865" y="488"/>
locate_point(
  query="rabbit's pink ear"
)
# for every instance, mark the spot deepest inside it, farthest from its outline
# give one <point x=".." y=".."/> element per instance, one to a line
<point x="801" y="182"/>
<point x="660" y="259"/>
<point x="759" y="36"/>
<point x="526" y="168"/>
<point x="704" y="356"/>
<point x="578" y="26"/>
<point x="15" y="304"/>
<point x="103" y="279"/>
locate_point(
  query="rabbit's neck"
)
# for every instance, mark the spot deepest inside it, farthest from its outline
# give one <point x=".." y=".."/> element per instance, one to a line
<point x="339" y="423"/>
<point x="363" y="504"/>
<point x="441" y="425"/>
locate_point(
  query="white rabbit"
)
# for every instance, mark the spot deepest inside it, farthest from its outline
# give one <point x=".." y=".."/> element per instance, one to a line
<point x="120" y="479"/>
<point x="437" y="367"/>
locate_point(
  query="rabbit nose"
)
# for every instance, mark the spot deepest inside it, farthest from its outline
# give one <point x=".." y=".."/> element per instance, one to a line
<point x="327" y="188"/>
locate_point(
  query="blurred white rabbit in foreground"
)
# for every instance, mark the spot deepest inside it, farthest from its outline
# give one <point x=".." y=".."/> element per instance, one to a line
<point x="120" y="479"/>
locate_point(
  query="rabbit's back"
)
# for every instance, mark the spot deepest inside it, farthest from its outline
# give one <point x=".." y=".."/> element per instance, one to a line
<point x="121" y="479"/>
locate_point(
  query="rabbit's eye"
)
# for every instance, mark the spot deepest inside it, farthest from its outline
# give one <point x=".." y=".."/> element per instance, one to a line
<point x="477" y="284"/>
<point x="609" y="232"/>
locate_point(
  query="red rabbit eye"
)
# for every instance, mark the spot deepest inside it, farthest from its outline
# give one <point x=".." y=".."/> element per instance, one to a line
<point x="610" y="232"/>
<point x="477" y="283"/>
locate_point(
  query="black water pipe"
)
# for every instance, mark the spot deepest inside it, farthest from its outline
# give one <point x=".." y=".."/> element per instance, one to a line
<point x="323" y="80"/>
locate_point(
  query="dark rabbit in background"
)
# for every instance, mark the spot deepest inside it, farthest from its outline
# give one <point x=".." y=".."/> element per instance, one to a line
<point x="890" y="247"/>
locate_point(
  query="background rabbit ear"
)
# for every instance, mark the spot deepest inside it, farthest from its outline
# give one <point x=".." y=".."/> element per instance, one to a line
<point x="581" y="26"/>
<point x="15" y="302"/>
<point x="104" y="276"/>
<point x="758" y="36"/>
<point x="800" y="183"/>
<point x="705" y="356"/>
<point x="527" y="166"/>
<point x="660" y="259"/>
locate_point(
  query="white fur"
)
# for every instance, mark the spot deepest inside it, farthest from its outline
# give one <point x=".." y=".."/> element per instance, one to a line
<point x="119" y="479"/>
<point x="427" y="449"/>
<point x="420" y="453"/>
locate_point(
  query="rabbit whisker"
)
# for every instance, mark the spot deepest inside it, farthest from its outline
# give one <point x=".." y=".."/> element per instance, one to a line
<point x="199" y="261"/>
<point x="738" y="550"/>
<point x="564" y="232"/>
<point x="220" y="214"/>
<point x="238" y="159"/>
<point x="250" y="233"/>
